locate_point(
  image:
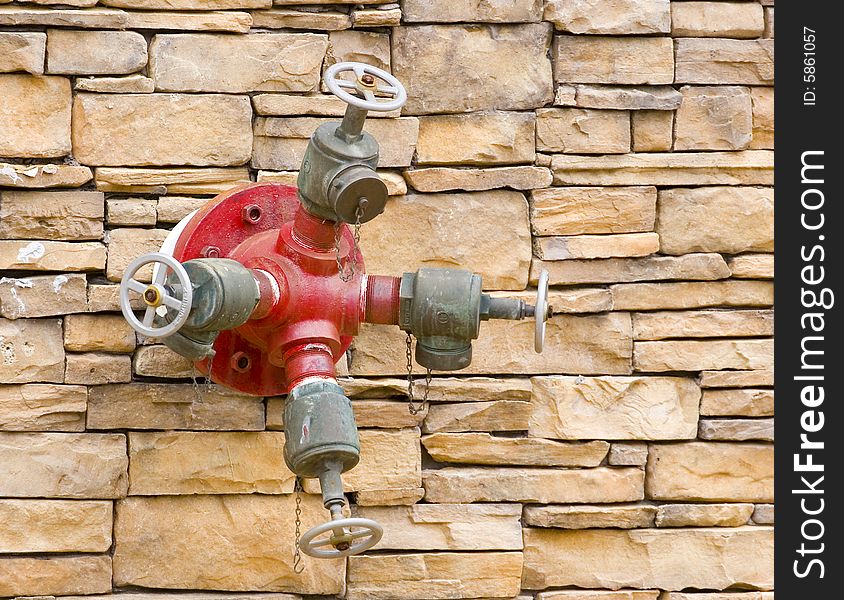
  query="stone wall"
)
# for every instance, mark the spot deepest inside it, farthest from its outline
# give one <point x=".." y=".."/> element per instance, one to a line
<point x="624" y="145"/>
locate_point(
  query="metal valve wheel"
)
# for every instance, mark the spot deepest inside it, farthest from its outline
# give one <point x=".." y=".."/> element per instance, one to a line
<point x="541" y="312"/>
<point x="384" y="95"/>
<point x="344" y="543"/>
<point x="155" y="296"/>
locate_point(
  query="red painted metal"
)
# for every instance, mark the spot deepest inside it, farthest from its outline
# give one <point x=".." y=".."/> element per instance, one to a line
<point x="307" y="315"/>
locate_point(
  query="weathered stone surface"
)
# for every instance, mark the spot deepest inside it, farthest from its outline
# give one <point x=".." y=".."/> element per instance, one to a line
<point x="485" y="449"/>
<point x="613" y="60"/>
<point x="165" y="463"/>
<point x="386" y="17"/>
<point x="440" y="179"/>
<point x="434" y="233"/>
<point x="495" y="415"/>
<point x="172" y="209"/>
<point x="716" y="219"/>
<point x="385" y="414"/>
<point x="35" y="112"/>
<point x="170" y="181"/>
<point x="476" y="139"/>
<point x="437" y="576"/>
<point x="704" y="471"/>
<point x="740" y="402"/>
<point x="29" y="576"/>
<point x="280" y="143"/>
<point x="238" y="543"/>
<point x="614" y="408"/>
<point x="237" y="22"/>
<point x="98" y="333"/>
<point x="703" y="324"/>
<point x="653" y="130"/>
<point x="752" y="266"/>
<point x="42" y="296"/>
<point x="162" y="129"/>
<point x="723" y="61"/>
<point x="598" y="595"/>
<point x="188" y="4"/>
<point x="26" y="16"/>
<point x="95" y="368"/>
<point x="297" y="19"/>
<point x="621" y="516"/>
<point x="171" y="406"/>
<point x="700" y="355"/>
<point x="63" y="465"/>
<point x="129" y="84"/>
<point x="763" y="514"/>
<point x="503" y="67"/>
<point x="691" y="294"/>
<point x="737" y="429"/>
<point x="22" y="255"/>
<point x="131" y="212"/>
<point x="359" y="46"/>
<point x="451" y="11"/>
<point x="442" y="389"/>
<point x="74" y="52"/>
<point x="583" y="131"/>
<point x="596" y="246"/>
<point x="288" y="105"/>
<point x="654" y="268"/>
<point x="714" y="118"/>
<point x="404" y="497"/>
<point x="31" y="351"/>
<point x="711" y="558"/>
<point x="703" y="515"/>
<point x="71" y="215"/>
<point x="57" y="526"/>
<point x="159" y="361"/>
<point x="43" y="176"/>
<point x="448" y="526"/>
<point x="22" y="51"/>
<point x="616" y="17"/>
<point x="572" y="300"/>
<point x="580" y="210"/>
<point x="750" y="167"/>
<point x="628" y="454"/>
<point x="589" y="345"/>
<point x="769" y="22"/>
<point x="660" y="98"/>
<point x="42" y="407"/>
<point x="544" y="486"/>
<point x="286" y="62"/>
<point x="717" y="19"/>
<point x="125" y="245"/>
<point x="104" y="297"/>
<point x="763" y="117"/>
<point x="721" y="379"/>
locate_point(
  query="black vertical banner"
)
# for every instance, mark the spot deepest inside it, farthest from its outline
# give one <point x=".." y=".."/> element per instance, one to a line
<point x="808" y="173"/>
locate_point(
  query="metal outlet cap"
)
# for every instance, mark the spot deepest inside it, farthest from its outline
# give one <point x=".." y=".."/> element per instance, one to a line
<point x="441" y="359"/>
<point x="358" y="193"/>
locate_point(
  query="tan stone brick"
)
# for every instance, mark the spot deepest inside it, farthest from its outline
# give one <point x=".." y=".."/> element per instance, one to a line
<point x="297" y="19"/>
<point x="582" y="131"/>
<point x="763" y="117"/>
<point x="71" y="215"/>
<point x="229" y="21"/>
<point x="22" y="51"/>
<point x="172" y="209"/>
<point x="98" y="333"/>
<point x="617" y="17"/>
<point x="42" y="296"/>
<point x="440" y="179"/>
<point x="495" y="415"/>
<point x="172" y="181"/>
<point x="63" y="465"/>
<point x="125" y="245"/>
<point x="653" y="130"/>
<point x="188" y="4"/>
<point x="476" y="139"/>
<point x="614" y="408"/>
<point x="628" y="454"/>
<point x="691" y="294"/>
<point x="31" y="351"/>
<point x="442" y="389"/>
<point x="739" y="402"/>
<point x="580" y="210"/>
<point x="152" y="535"/>
<point x="598" y="595"/>
<point x="721" y="379"/>
<point x="502" y="67"/>
<point x="56" y="526"/>
<point x="763" y="514"/>
<point x="235" y="64"/>
<point x="26" y="16"/>
<point x="535" y="485"/>
<point x="723" y="61"/>
<point x="43" y="176"/>
<point x="613" y="60"/>
<point x="717" y="19"/>
<point x="714" y="118"/>
<point x="651" y="97"/>
<point x="95" y="52"/>
<point x="596" y="246"/>
<point x="647" y="558"/>
<point x="736" y="430"/>
<point x="23" y="255"/>
<point x="359" y="46"/>
<point x="703" y="515"/>
<point x="35" y="112"/>
<point x="128" y="84"/>
<point x="619" y="516"/>
<point x="485" y="449"/>
<point x="387" y="17"/>
<point x="769" y="22"/>
<point x="455" y="11"/>
<point x="752" y="266"/>
<point x="95" y="368"/>
<point x="703" y="324"/>
<point x="159" y="361"/>
<point x="39" y="576"/>
<point x="404" y="497"/>
<point x="42" y="407"/>
<point x="131" y="212"/>
<point x="700" y="355"/>
<point x="611" y="270"/>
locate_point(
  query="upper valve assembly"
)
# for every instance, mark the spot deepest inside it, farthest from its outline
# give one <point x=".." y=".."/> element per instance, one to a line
<point x="264" y="288"/>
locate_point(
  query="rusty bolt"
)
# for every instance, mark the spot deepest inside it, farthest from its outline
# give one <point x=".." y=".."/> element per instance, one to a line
<point x="210" y="252"/>
<point x="251" y="213"/>
<point x="367" y="79"/>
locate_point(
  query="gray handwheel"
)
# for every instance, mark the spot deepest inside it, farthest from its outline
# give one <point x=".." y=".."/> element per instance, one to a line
<point x="541" y="312"/>
<point x="366" y="537"/>
<point x="384" y="95"/>
<point x="155" y="295"/>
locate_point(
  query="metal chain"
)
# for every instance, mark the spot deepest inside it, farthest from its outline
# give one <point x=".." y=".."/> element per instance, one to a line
<point x="413" y="407"/>
<point x="353" y="255"/>
<point x="194" y="375"/>
<point x="298" y="565"/>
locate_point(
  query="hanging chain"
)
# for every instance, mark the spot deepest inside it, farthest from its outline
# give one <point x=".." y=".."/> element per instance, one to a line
<point x="298" y="565"/>
<point x="413" y="406"/>
<point x="353" y="255"/>
<point x="194" y="375"/>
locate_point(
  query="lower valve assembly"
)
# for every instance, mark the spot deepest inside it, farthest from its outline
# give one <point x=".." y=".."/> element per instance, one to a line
<point x="264" y="288"/>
